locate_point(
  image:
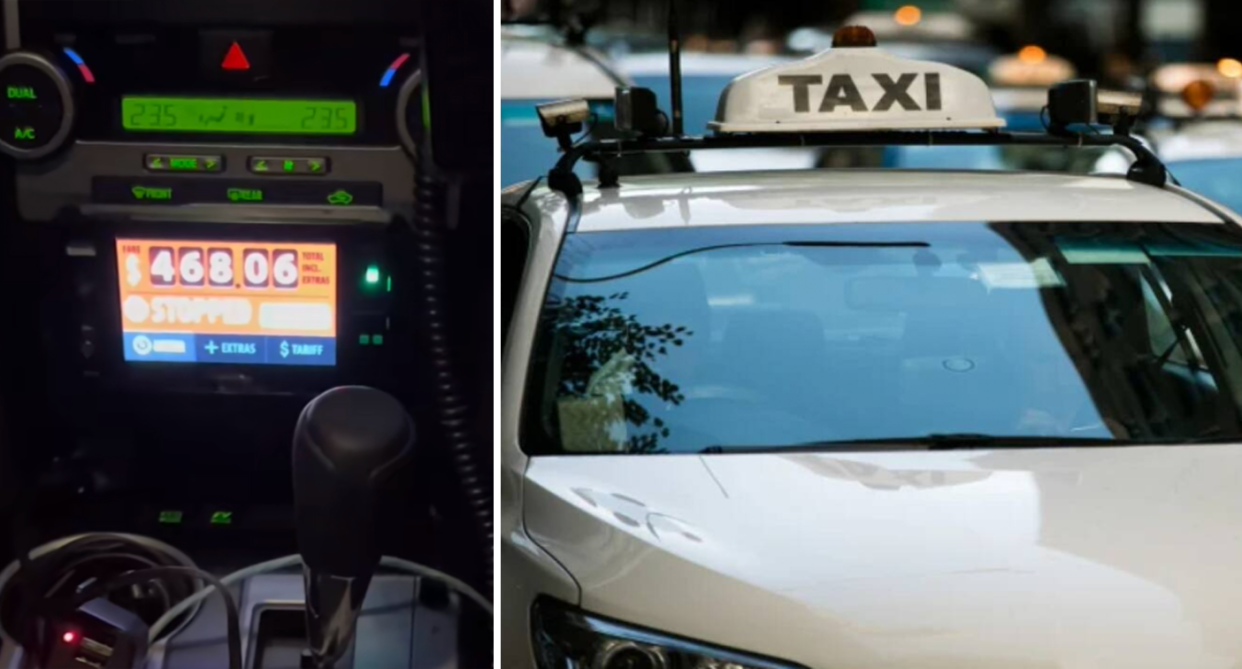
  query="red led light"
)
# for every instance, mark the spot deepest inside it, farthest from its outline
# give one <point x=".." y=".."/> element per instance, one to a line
<point x="69" y="637"/>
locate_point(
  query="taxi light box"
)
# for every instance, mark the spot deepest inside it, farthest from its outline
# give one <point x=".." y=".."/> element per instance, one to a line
<point x="242" y="303"/>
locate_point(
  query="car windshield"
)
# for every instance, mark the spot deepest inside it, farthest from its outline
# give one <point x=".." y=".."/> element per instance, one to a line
<point x="1219" y="179"/>
<point x="767" y="337"/>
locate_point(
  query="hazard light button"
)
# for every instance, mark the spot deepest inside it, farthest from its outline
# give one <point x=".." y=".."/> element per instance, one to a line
<point x="236" y="56"/>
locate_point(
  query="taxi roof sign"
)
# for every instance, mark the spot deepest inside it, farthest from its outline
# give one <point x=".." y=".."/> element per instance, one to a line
<point x="852" y="89"/>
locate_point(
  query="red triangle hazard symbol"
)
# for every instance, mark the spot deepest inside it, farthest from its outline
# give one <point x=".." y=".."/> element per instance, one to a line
<point x="235" y="59"/>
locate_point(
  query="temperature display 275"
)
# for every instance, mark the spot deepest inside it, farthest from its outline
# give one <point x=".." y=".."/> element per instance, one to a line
<point x="228" y="302"/>
<point x="215" y="115"/>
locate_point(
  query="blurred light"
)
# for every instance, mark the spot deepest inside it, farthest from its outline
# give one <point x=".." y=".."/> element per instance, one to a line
<point x="853" y="37"/>
<point x="1197" y="94"/>
<point x="69" y="637"/>
<point x="1032" y="55"/>
<point x="1230" y="67"/>
<point x="908" y="15"/>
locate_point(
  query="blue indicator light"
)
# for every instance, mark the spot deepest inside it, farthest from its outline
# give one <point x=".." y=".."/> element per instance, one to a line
<point x="73" y="55"/>
<point x="388" y="75"/>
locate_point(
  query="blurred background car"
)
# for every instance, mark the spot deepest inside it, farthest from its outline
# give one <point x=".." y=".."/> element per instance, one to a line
<point x="1019" y="47"/>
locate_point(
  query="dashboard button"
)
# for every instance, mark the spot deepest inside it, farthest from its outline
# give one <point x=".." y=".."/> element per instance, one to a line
<point x="174" y="190"/>
<point x="283" y="165"/>
<point x="160" y="162"/>
<point x="36" y="106"/>
<point x="236" y="56"/>
<point x="31" y="110"/>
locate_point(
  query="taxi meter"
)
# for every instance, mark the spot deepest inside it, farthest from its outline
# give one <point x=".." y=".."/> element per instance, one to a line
<point x="227" y="302"/>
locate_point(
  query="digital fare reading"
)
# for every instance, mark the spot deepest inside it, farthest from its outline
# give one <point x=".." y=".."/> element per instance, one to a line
<point x="241" y="303"/>
<point x="277" y="117"/>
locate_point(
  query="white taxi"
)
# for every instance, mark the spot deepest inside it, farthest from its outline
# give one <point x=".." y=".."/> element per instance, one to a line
<point x="1197" y="129"/>
<point x="870" y="419"/>
<point x="538" y="66"/>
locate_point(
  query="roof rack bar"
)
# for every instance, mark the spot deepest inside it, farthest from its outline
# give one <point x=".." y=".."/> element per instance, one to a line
<point x="1147" y="168"/>
<point x="674" y="68"/>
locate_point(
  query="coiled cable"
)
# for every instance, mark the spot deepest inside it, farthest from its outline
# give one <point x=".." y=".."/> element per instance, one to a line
<point x="451" y="404"/>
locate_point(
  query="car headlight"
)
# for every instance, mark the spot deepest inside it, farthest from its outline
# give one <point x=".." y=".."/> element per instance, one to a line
<point x="566" y="638"/>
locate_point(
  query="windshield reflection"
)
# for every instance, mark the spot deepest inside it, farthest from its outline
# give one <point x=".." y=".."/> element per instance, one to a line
<point x="672" y="341"/>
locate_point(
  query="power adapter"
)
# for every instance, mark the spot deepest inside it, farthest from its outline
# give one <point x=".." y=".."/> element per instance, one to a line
<point x="98" y="635"/>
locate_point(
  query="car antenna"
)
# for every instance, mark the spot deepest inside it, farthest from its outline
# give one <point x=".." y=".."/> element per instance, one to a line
<point x="674" y="67"/>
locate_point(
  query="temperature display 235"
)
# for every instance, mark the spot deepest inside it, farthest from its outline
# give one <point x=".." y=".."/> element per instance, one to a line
<point x="228" y="302"/>
<point x="214" y="115"/>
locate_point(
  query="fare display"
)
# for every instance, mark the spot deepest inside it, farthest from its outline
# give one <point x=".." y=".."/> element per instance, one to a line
<point x="257" y="303"/>
<point x="279" y="117"/>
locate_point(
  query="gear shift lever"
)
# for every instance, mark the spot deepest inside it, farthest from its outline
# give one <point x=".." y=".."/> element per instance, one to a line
<point x="347" y="441"/>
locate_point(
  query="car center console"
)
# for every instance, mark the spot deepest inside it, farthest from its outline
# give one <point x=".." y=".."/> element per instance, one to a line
<point x="217" y="197"/>
<point x="206" y="221"/>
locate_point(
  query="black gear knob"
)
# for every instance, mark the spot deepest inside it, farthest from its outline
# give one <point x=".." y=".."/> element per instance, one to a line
<point x="347" y="442"/>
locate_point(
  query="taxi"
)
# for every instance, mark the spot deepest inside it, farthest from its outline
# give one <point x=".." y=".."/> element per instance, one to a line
<point x="869" y="419"/>
<point x="1197" y="128"/>
<point x="1019" y="84"/>
<point x="537" y="66"/>
<point x="702" y="77"/>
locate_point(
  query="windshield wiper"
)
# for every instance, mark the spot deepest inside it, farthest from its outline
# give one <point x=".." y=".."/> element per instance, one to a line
<point x="928" y="442"/>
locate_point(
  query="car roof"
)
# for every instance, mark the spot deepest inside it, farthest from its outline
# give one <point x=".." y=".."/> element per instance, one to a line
<point x="698" y="64"/>
<point x="875" y="196"/>
<point x="537" y="69"/>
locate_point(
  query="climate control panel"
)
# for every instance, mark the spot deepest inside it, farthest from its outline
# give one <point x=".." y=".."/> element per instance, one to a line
<point x="312" y="116"/>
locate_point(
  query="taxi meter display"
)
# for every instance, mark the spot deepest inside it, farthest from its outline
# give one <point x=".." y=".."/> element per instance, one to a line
<point x="257" y="303"/>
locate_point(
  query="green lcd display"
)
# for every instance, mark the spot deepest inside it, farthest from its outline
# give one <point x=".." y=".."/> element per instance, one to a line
<point x="283" y="117"/>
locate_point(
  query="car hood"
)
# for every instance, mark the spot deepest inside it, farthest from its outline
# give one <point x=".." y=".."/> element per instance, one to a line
<point x="1032" y="558"/>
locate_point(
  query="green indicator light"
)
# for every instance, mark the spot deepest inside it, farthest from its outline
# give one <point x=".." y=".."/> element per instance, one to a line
<point x="20" y="93"/>
<point x="231" y="115"/>
<point x="342" y="198"/>
<point x="315" y="165"/>
<point x="245" y="195"/>
<point x="170" y="517"/>
<point x="377" y="339"/>
<point x="27" y="133"/>
<point x="364" y="340"/>
<point x="144" y="193"/>
<point x="389" y="284"/>
<point x="157" y="163"/>
<point x="373" y="274"/>
<point x="184" y="163"/>
<point x="288" y="166"/>
<point x="260" y="166"/>
<point x="222" y="518"/>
